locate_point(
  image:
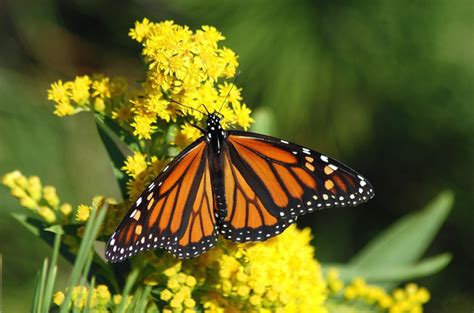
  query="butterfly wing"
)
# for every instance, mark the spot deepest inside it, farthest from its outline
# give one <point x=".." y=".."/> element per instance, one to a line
<point x="270" y="182"/>
<point x="175" y="212"/>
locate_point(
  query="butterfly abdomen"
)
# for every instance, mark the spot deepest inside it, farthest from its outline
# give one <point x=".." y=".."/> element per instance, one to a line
<point x="218" y="188"/>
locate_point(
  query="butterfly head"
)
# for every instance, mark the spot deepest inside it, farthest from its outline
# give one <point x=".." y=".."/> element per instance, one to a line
<point x="214" y="121"/>
<point x="214" y="130"/>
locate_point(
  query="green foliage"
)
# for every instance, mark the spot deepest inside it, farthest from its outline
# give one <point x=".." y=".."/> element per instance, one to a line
<point x="407" y="239"/>
<point x="394" y="255"/>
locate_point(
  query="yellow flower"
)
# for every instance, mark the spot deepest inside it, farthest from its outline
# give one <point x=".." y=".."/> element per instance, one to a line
<point x="64" y="108"/>
<point x="103" y="294"/>
<point x="101" y="88"/>
<point x="190" y="281"/>
<point x="231" y="92"/>
<point x="49" y="194"/>
<point x="33" y="195"/>
<point x="99" y="105"/>
<point x="82" y="213"/>
<point x="135" y="164"/>
<point x="334" y="282"/>
<point x="116" y="299"/>
<point x="141" y="30"/>
<point x="58" y="92"/>
<point x="79" y="89"/>
<point x="166" y="295"/>
<point x="189" y="303"/>
<point x="65" y="209"/>
<point x="34" y="188"/>
<point x="136" y="186"/>
<point x="143" y="126"/>
<point x="58" y="298"/>
<point x="47" y="214"/>
<point x="401" y="300"/>
<point x="190" y="133"/>
<point x="242" y="115"/>
<point x="278" y="273"/>
<point x="101" y="300"/>
<point x="79" y="296"/>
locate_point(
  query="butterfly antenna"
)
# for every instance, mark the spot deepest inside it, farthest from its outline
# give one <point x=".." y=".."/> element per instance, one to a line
<point x="187" y="106"/>
<point x="228" y="93"/>
<point x="205" y="108"/>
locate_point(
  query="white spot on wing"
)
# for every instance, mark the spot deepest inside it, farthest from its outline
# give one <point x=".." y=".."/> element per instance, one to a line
<point x="324" y="158"/>
<point x="139" y="201"/>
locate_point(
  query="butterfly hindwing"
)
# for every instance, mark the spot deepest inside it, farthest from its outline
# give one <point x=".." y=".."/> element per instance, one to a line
<point x="270" y="182"/>
<point x="174" y="212"/>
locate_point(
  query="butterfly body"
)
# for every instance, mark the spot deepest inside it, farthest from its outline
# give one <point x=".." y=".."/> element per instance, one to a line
<point x="215" y="138"/>
<point x="241" y="185"/>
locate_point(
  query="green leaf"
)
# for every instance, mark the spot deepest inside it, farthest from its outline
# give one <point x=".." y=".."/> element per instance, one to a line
<point x="56" y="229"/>
<point x="394" y="273"/>
<point x="84" y="257"/>
<point x="132" y="277"/>
<point x="405" y="241"/>
<point x="118" y="151"/>
<point x="100" y="269"/>
<point x="31" y="224"/>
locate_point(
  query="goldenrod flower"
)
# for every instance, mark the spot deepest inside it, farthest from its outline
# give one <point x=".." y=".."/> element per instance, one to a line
<point x="116" y="299"/>
<point x="47" y="214"/>
<point x="242" y="115"/>
<point x="101" y="88"/>
<point x="101" y="299"/>
<point x="141" y="30"/>
<point x="31" y="194"/>
<point x="79" y="89"/>
<point x="135" y="164"/>
<point x="58" y="298"/>
<point x="103" y="294"/>
<point x="65" y="209"/>
<point x="410" y="299"/>
<point x="50" y="195"/>
<point x="83" y="213"/>
<point x="143" y="126"/>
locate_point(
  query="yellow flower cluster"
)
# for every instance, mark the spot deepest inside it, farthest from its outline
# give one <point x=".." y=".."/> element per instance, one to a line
<point x="178" y="292"/>
<point x="141" y="169"/>
<point x="86" y="93"/>
<point x="280" y="275"/>
<point x="43" y="200"/>
<point x="183" y="66"/>
<point x="407" y="300"/>
<point x="101" y="299"/>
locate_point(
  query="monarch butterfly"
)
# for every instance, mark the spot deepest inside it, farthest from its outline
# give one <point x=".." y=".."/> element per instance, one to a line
<point x="242" y="185"/>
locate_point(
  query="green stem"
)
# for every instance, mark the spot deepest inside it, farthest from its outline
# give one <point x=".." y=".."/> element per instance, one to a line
<point x="92" y="229"/>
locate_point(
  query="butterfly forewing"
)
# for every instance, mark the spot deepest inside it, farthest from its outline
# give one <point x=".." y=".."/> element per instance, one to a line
<point x="270" y="182"/>
<point x="174" y="212"/>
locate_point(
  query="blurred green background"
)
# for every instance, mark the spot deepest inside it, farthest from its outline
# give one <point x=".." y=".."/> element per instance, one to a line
<point x="385" y="86"/>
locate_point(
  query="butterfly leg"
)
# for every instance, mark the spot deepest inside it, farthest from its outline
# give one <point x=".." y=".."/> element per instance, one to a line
<point x="192" y="123"/>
